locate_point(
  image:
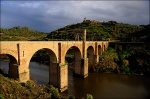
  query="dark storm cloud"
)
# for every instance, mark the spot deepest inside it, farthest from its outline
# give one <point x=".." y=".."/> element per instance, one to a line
<point x="50" y="15"/>
<point x="133" y="12"/>
<point x="15" y="14"/>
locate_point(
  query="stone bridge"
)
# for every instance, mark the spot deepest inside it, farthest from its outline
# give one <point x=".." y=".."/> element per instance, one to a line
<point x="21" y="52"/>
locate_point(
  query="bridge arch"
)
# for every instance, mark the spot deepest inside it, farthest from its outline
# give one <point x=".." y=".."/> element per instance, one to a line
<point x="90" y="54"/>
<point x="99" y="50"/>
<point x="52" y="66"/>
<point x="104" y="48"/>
<point x="13" y="53"/>
<point x="13" y="66"/>
<point x="76" y="58"/>
<point x="49" y="52"/>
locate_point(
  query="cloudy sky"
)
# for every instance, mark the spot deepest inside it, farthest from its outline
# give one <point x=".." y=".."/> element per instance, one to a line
<point x="48" y="15"/>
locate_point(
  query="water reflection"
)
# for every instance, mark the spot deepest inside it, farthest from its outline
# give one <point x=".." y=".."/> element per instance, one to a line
<point x="111" y="86"/>
<point x="39" y="73"/>
<point x="97" y="84"/>
<point x="4" y="65"/>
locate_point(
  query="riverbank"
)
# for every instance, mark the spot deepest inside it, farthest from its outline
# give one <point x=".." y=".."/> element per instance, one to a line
<point x="13" y="89"/>
<point x="117" y="70"/>
<point x="123" y="61"/>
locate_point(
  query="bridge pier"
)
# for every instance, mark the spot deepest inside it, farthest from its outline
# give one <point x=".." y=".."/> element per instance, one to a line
<point x="58" y="76"/>
<point x="59" y="73"/>
<point x="23" y="73"/>
<point x="63" y="77"/>
<point x="54" y="74"/>
<point x="81" y="68"/>
<point x="84" y="65"/>
<point x="84" y="60"/>
<point x="18" y="69"/>
<point x="13" y="70"/>
<point x="96" y="58"/>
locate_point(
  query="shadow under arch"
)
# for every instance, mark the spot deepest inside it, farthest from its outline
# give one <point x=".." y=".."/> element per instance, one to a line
<point x="75" y="56"/>
<point x="90" y="54"/>
<point x="99" y="50"/>
<point x="13" y="66"/>
<point x="104" y="48"/>
<point x="46" y="73"/>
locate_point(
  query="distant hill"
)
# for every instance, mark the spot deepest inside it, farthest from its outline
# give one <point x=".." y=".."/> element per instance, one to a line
<point x="98" y="31"/>
<point x="20" y="34"/>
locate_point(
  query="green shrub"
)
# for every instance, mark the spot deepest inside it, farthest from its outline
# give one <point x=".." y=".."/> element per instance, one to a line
<point x="23" y="84"/>
<point x="89" y="96"/>
<point x="1" y="96"/>
<point x="29" y="84"/>
<point x="71" y="97"/>
<point x="126" y="69"/>
<point x="54" y="91"/>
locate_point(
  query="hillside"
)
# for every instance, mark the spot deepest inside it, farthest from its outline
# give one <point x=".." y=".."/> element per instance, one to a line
<point x="12" y="89"/>
<point x="20" y="34"/>
<point x="97" y="31"/>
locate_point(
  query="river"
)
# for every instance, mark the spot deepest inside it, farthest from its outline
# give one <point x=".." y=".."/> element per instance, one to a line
<point x="98" y="84"/>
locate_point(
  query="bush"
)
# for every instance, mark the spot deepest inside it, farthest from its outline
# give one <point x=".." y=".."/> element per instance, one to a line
<point x="1" y="96"/>
<point x="71" y="97"/>
<point x="29" y="84"/>
<point x="54" y="91"/>
<point x="89" y="96"/>
<point x="126" y="69"/>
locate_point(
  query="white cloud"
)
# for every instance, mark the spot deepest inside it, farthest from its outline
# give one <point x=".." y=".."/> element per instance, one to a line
<point x="30" y="5"/>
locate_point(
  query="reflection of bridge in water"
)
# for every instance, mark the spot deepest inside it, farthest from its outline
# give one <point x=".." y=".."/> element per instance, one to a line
<point x="21" y="52"/>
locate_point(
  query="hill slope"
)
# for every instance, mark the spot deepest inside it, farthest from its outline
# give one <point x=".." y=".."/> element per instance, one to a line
<point x="96" y="31"/>
<point x="20" y="34"/>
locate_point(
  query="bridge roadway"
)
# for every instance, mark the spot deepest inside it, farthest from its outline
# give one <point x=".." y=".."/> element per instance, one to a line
<point x="21" y="52"/>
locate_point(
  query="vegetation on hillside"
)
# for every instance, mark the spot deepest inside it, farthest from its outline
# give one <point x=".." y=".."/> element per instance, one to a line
<point x="20" y="34"/>
<point x="13" y="89"/>
<point x="97" y="31"/>
<point x="126" y="61"/>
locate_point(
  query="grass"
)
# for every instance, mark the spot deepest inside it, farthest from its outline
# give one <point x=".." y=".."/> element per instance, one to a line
<point x="22" y="38"/>
<point x="13" y="89"/>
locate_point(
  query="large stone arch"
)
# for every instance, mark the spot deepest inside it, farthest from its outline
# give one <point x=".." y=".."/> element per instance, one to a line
<point x="13" y="67"/>
<point x="53" y="66"/>
<point x="91" y="44"/>
<point x="13" y="53"/>
<point x="50" y="52"/>
<point x="52" y="55"/>
<point x="64" y="47"/>
<point x="77" y="59"/>
<point x="90" y="54"/>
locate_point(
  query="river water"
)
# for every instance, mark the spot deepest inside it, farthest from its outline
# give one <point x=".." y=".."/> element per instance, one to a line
<point x="98" y="84"/>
